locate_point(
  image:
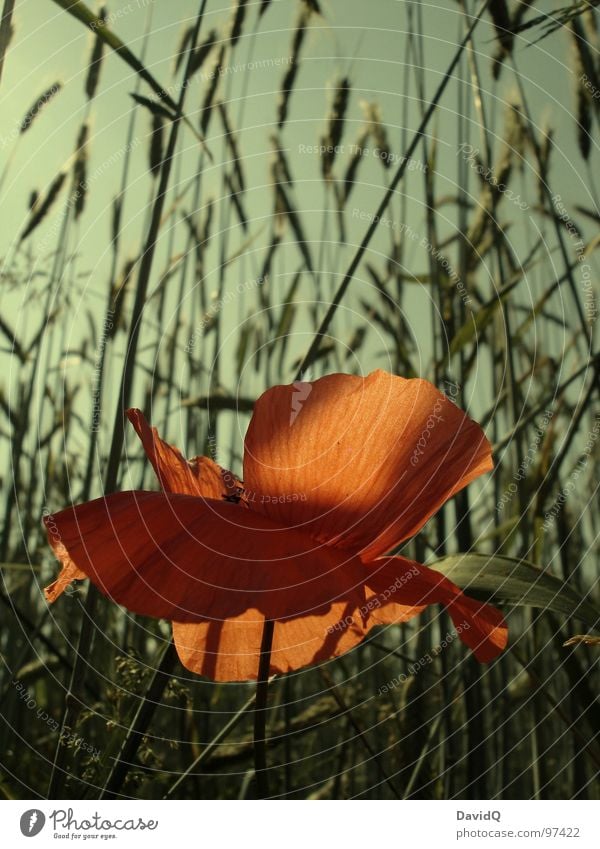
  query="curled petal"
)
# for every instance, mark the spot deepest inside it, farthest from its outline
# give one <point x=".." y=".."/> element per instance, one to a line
<point x="200" y="476"/>
<point x="398" y="589"/>
<point x="191" y="559"/>
<point x="68" y="573"/>
<point x="359" y="463"/>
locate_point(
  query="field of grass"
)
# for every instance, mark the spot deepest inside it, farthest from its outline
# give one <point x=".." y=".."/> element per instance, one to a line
<point x="197" y="209"/>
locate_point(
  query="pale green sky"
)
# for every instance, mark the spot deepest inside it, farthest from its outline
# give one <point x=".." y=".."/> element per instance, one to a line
<point x="366" y="41"/>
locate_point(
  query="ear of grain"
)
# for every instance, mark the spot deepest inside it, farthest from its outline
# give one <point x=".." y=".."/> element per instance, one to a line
<point x="116" y="218"/>
<point x="352" y="168"/>
<point x="209" y="97"/>
<point x="335" y="127"/>
<point x="500" y="15"/>
<point x="233" y="147"/>
<point x="80" y="172"/>
<point x="280" y="169"/>
<point x="234" y="194"/>
<point x="516" y="21"/>
<point x="586" y="55"/>
<point x="289" y="77"/>
<point x="93" y="76"/>
<point x="286" y="209"/>
<point x="82" y="13"/>
<point x="517" y="133"/>
<point x="242" y="346"/>
<point x="584" y="70"/>
<point x="264" y="5"/>
<point x="377" y="130"/>
<point x="186" y="40"/>
<point x="6" y="30"/>
<point x="286" y="320"/>
<point x="238" y="22"/>
<point x="39" y="213"/>
<point x="118" y="296"/>
<point x="584" y="121"/>
<point x="38" y="106"/>
<point x="270" y="255"/>
<point x="202" y="51"/>
<point x="512" y="144"/>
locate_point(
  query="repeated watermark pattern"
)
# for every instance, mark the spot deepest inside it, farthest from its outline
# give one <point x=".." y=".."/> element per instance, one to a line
<point x="219" y="70"/>
<point x="470" y="155"/>
<point x="51" y="525"/>
<point x="385" y="156"/>
<point x="70" y="739"/>
<point x="301" y="391"/>
<point x="254" y="65"/>
<point x="375" y="601"/>
<point x="589" y="85"/>
<point x="532" y="453"/>
<point x="408" y="232"/>
<point x="82" y="188"/>
<point x="239" y="492"/>
<point x="425" y="660"/>
<point x="430" y="424"/>
<point x="573" y="477"/>
<point x="33" y="113"/>
<point x="107" y="328"/>
<point x="281" y="498"/>
<point x="589" y="303"/>
<point x="116" y="15"/>
<point x="451" y="389"/>
<point x="216" y="308"/>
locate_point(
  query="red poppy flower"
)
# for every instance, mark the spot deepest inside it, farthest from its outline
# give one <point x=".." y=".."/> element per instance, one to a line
<point x="337" y="473"/>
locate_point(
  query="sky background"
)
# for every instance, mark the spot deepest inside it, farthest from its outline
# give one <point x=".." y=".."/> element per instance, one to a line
<point x="366" y="42"/>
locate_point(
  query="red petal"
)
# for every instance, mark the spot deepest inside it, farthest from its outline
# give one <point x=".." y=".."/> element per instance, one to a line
<point x="400" y="588"/>
<point x="360" y="463"/>
<point x="229" y="650"/>
<point x="200" y="476"/>
<point x="190" y="559"/>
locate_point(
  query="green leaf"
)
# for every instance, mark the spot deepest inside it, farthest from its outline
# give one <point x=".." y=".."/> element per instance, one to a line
<point x="515" y="582"/>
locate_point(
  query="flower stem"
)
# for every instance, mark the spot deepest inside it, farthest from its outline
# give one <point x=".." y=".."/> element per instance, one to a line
<point x="260" y="711"/>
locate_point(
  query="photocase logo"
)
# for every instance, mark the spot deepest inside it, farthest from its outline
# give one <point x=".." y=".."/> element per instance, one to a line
<point x="302" y="390"/>
<point x="32" y="822"/>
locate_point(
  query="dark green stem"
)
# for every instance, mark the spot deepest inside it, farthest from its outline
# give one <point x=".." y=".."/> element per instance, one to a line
<point x="260" y="711"/>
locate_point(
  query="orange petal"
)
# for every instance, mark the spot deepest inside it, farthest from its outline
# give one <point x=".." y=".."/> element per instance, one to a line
<point x="360" y="463"/>
<point x="68" y="573"/>
<point x="200" y="476"/>
<point x="191" y="559"/>
<point x="229" y="650"/>
<point x="399" y="589"/>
